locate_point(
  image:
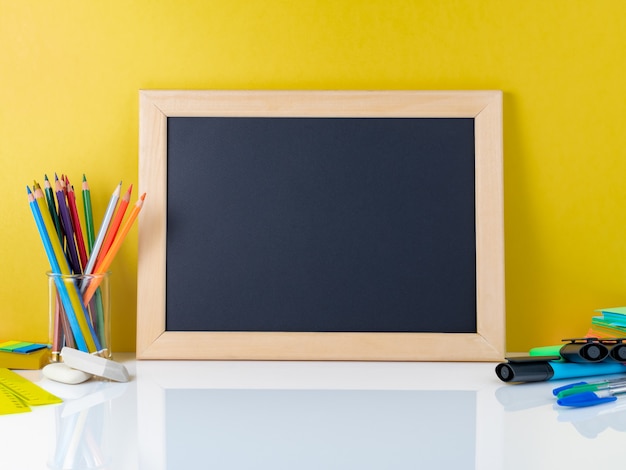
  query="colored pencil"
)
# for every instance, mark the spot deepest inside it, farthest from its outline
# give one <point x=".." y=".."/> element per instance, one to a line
<point x="90" y="234"/>
<point x="52" y="252"/>
<point x="103" y="229"/>
<point x="76" y="308"/>
<point x="79" y="319"/>
<point x="66" y="223"/>
<point x="78" y="231"/>
<point x="58" y="332"/>
<point x="108" y="259"/>
<point x="89" y="228"/>
<point x="61" y="181"/>
<point x="52" y="207"/>
<point x="115" y="225"/>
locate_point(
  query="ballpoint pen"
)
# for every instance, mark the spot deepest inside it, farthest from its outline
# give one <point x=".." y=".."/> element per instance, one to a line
<point x="578" y="387"/>
<point x="598" y="397"/>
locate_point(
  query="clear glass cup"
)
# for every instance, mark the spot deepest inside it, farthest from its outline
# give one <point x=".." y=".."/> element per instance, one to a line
<point x="76" y="320"/>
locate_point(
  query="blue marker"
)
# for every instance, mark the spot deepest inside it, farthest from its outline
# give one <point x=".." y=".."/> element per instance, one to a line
<point x="542" y="368"/>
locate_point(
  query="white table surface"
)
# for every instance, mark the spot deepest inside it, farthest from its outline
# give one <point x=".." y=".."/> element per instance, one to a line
<point x="309" y="415"/>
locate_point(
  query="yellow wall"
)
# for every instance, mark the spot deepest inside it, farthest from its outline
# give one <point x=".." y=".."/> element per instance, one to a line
<point x="70" y="71"/>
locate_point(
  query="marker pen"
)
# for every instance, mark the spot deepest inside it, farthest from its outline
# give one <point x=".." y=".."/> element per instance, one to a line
<point x="579" y="350"/>
<point x="542" y="368"/>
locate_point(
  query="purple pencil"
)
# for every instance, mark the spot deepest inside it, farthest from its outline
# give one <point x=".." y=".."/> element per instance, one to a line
<point x="66" y="221"/>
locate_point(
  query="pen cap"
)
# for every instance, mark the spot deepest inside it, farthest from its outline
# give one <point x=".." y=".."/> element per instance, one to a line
<point x="529" y="371"/>
<point x="618" y="352"/>
<point x="584" y="352"/>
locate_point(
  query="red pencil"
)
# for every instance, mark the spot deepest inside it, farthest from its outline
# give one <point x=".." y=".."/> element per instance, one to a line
<point x="114" y="227"/>
<point x="78" y="231"/>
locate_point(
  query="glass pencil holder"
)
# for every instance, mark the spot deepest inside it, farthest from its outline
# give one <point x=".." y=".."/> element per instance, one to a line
<point x="79" y="312"/>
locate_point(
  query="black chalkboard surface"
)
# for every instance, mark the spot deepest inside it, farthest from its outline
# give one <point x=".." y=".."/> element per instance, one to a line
<point x="321" y="225"/>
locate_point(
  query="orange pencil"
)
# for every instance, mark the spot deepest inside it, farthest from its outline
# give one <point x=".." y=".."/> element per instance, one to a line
<point x="106" y="262"/>
<point x="114" y="227"/>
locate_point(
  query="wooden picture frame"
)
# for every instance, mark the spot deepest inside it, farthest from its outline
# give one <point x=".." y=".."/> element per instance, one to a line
<point x="486" y="344"/>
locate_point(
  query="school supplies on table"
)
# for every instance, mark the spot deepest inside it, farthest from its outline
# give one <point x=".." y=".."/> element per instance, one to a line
<point x="78" y="318"/>
<point x="23" y="355"/>
<point x="18" y="394"/>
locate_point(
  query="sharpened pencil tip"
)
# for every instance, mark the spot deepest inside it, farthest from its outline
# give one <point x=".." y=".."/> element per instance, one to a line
<point x="84" y="177"/>
<point x="28" y="191"/>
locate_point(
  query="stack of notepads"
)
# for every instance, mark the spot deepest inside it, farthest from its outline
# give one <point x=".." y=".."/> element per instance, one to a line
<point x="23" y="355"/>
<point x="611" y="323"/>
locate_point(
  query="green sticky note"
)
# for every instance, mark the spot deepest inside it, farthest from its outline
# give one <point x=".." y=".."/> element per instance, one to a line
<point x="11" y="345"/>
<point x="619" y="310"/>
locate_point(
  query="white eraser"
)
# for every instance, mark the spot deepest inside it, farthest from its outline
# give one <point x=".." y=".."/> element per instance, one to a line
<point x="63" y="373"/>
<point x="95" y="365"/>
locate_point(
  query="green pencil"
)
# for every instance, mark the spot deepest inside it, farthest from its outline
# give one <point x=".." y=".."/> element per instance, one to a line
<point x="91" y="234"/>
<point x="52" y="207"/>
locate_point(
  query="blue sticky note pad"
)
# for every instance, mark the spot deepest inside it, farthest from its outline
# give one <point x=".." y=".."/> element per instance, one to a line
<point x="21" y="347"/>
<point x="30" y="348"/>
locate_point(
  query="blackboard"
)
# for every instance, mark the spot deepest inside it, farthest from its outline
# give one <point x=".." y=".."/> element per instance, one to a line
<point x="309" y="233"/>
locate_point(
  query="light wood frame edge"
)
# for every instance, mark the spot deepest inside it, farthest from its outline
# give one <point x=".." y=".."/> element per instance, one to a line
<point x="487" y="344"/>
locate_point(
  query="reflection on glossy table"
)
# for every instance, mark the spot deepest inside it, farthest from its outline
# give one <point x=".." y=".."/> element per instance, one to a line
<point x="309" y="415"/>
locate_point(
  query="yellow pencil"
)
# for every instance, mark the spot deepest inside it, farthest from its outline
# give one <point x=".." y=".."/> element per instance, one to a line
<point x="78" y="306"/>
<point x="115" y="246"/>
